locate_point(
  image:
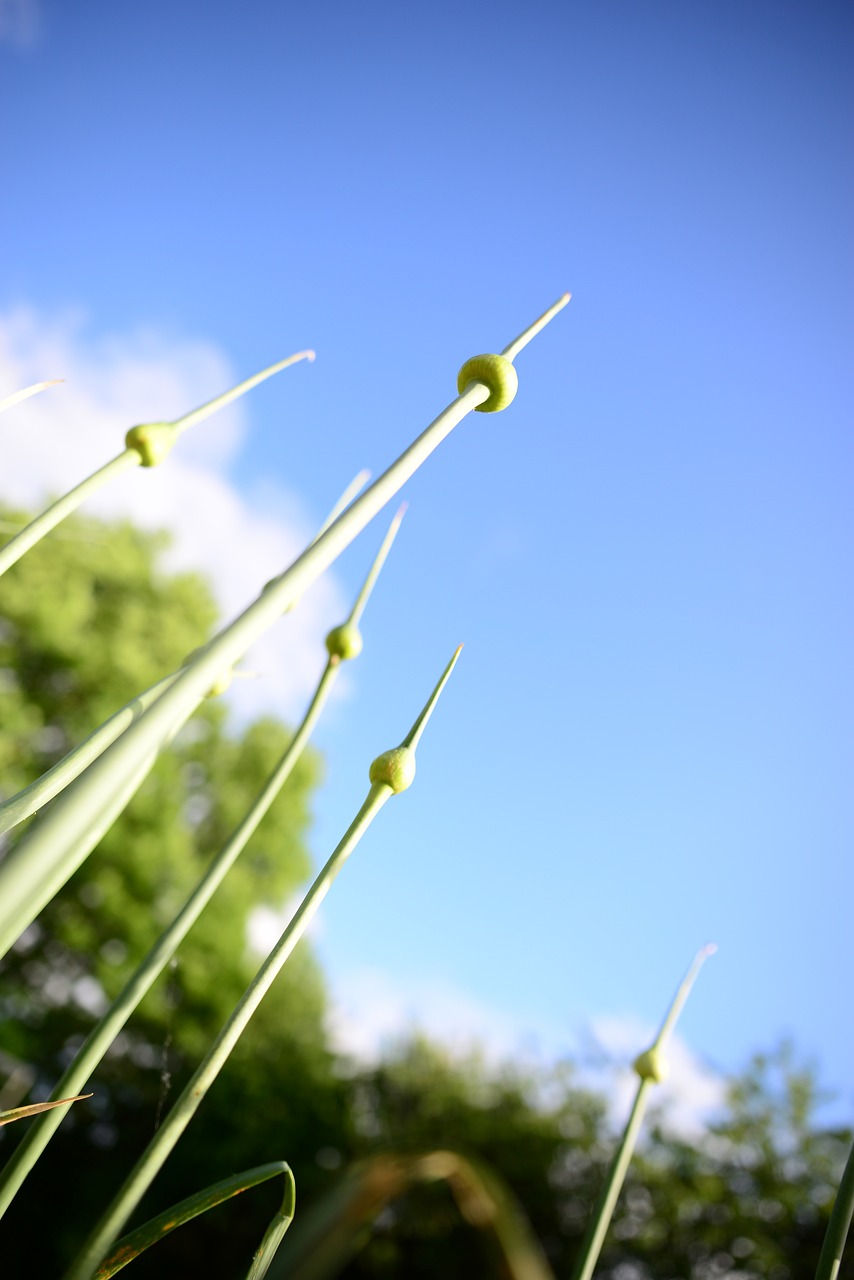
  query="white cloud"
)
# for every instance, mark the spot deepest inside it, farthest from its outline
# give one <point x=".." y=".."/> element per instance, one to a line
<point x="20" y="23"/>
<point x="55" y="439"/>
<point x="690" y="1097"/>
<point x="266" y="925"/>
<point x="370" y="1011"/>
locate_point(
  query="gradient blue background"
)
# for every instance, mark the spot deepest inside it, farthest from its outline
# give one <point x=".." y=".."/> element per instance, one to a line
<point x="647" y="743"/>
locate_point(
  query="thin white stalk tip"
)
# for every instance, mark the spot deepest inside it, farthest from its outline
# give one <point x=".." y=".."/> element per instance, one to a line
<point x="17" y="396"/>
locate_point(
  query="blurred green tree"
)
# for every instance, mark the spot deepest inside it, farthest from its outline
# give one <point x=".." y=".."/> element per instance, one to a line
<point x="749" y="1199"/>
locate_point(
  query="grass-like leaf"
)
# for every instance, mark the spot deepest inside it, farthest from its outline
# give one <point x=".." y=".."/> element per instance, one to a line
<point x="36" y="1108"/>
<point x="136" y="1242"/>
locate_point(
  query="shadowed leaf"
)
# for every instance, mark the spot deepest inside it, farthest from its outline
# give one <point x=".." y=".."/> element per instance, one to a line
<point x="35" y="1108"/>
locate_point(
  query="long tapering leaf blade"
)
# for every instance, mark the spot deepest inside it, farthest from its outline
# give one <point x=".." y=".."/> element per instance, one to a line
<point x="156" y="1229"/>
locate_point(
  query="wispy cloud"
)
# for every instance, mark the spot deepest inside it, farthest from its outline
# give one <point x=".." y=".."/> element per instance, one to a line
<point x="372" y="1011"/>
<point x="21" y="23"/>
<point x="691" y="1096"/>
<point x="238" y="540"/>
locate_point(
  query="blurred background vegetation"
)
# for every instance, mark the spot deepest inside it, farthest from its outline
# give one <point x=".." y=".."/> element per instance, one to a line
<point x="87" y="621"/>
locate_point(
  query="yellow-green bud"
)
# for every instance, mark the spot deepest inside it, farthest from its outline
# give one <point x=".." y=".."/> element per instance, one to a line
<point x="344" y="642"/>
<point x="497" y="373"/>
<point x="152" y="441"/>
<point x="221" y="683"/>
<point x="652" y="1065"/>
<point x="396" y="768"/>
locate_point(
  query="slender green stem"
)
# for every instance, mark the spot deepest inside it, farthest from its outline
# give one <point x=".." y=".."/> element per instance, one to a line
<point x="17" y="396"/>
<point x="56" y="845"/>
<point x="591" y="1246"/>
<point x="651" y="1068"/>
<point x="414" y="736"/>
<point x="38" y="793"/>
<point x="140" y="982"/>
<point x="186" y="1106"/>
<point x="830" y="1259"/>
<point x="376" y="568"/>
<point x="35" y="796"/>
<point x="682" y="994"/>
<point x="220" y="401"/>
<point x="36" y="529"/>
<point x="104" y="1033"/>
<point x="131" y="457"/>
<point x="513" y="348"/>
<point x="355" y="486"/>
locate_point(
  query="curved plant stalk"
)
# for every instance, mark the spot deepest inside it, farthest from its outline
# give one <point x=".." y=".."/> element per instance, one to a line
<point x="144" y="446"/>
<point x="652" y="1067"/>
<point x="355" y="487"/>
<point x="136" y="1242"/>
<point x="17" y="396"/>
<point x="35" y="796"/>
<point x="830" y="1258"/>
<point x="30" y="799"/>
<point x="391" y="772"/>
<point x="140" y="982"/>
<point x="335" y="1229"/>
<point x="35" y="1108"/>
<point x="513" y="348"/>
<point x="64" y="506"/>
<point x="57" y="845"/>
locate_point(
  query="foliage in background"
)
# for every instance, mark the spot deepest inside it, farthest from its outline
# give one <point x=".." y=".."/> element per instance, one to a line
<point x="88" y="620"/>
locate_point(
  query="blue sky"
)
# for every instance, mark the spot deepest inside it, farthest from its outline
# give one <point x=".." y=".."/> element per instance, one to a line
<point x="647" y="743"/>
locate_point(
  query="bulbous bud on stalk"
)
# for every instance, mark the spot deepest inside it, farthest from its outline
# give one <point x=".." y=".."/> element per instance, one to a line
<point x="153" y="441"/>
<point x="344" y="642"/>
<point x="222" y="681"/>
<point x="497" y="373"/>
<point x="652" y="1065"/>
<point x="396" y="768"/>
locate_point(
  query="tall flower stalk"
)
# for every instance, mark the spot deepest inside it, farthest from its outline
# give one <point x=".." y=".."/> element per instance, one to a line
<point x="343" y="642"/>
<point x="145" y="446"/>
<point x="63" y="838"/>
<point x="652" y="1068"/>
<point x="390" y="773"/>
